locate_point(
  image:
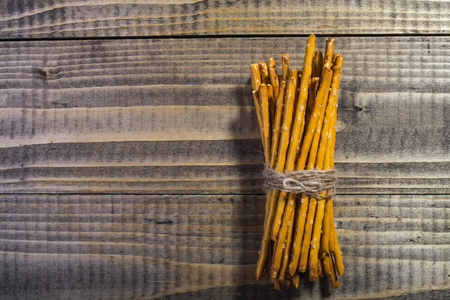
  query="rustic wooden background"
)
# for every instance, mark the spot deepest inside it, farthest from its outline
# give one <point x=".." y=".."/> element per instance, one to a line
<point x="130" y="153"/>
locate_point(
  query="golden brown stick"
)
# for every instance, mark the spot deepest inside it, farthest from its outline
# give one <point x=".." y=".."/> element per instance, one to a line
<point x="281" y="159"/>
<point x="317" y="64"/>
<point x="330" y="216"/>
<point x="311" y="97"/>
<point x="328" y="53"/>
<point x="264" y="73"/>
<point x="285" y="66"/>
<point x="323" y="163"/>
<point x="298" y="234"/>
<point x="272" y="196"/>
<point x="306" y="146"/>
<point x="334" y="59"/>
<point x="327" y="265"/>
<point x="271" y="106"/>
<point x="315" y="120"/>
<point x="274" y="81"/>
<point x="294" y="74"/>
<point x="334" y="244"/>
<point x="329" y="153"/>
<point x="337" y="60"/>
<point x="287" y="250"/>
<point x="258" y="115"/>
<point x="256" y="76"/>
<point x="265" y="117"/>
<point x="296" y="280"/>
<point x="265" y="243"/>
<point x="320" y="270"/>
<point x="271" y="63"/>
<point x="313" y="159"/>
<point x="296" y="134"/>
<point x="273" y="275"/>
<point x="277" y="123"/>
<point x="311" y="129"/>
<point x="276" y="285"/>
<point x="338" y="255"/>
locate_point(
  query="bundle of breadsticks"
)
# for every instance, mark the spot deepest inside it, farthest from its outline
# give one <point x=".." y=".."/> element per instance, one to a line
<point x="296" y="111"/>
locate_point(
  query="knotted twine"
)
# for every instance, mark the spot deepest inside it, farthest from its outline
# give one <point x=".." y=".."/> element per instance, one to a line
<point x="310" y="182"/>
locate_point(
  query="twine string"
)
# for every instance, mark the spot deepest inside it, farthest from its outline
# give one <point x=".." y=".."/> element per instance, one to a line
<point x="310" y="182"/>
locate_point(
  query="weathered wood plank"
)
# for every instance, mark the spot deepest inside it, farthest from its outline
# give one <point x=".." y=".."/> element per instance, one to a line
<point x="105" y="246"/>
<point x="176" y="116"/>
<point x="68" y="18"/>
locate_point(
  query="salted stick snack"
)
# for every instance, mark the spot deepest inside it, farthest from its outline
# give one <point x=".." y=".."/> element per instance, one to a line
<point x="297" y="112"/>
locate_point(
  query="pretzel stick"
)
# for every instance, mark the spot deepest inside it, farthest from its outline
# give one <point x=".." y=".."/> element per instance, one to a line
<point x="256" y="76"/>
<point x="327" y="264"/>
<point x="334" y="244"/>
<point x="317" y="119"/>
<point x="272" y="196"/>
<point x="264" y="73"/>
<point x="331" y="132"/>
<point x="277" y="123"/>
<point x="328" y="53"/>
<point x="294" y="73"/>
<point x="305" y="149"/>
<point x="258" y="115"/>
<point x="285" y="66"/>
<point x="328" y="215"/>
<point x="271" y="105"/>
<point x="265" y="117"/>
<point x="287" y="250"/>
<point x="323" y="163"/>
<point x="271" y="63"/>
<point x="281" y="159"/>
<point x="317" y="64"/>
<point x="295" y="137"/>
<point x="274" y="81"/>
<point x="296" y="280"/>
<point x="311" y="97"/>
<point x="338" y="255"/>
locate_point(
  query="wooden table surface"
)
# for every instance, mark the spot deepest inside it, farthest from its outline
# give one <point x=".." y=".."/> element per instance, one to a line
<point x="130" y="156"/>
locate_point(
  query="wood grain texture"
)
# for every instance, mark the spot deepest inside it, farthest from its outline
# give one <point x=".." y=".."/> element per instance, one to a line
<point x="176" y="116"/>
<point x="143" y="247"/>
<point x="82" y="18"/>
